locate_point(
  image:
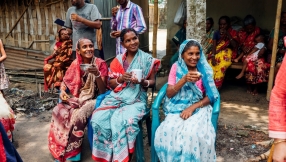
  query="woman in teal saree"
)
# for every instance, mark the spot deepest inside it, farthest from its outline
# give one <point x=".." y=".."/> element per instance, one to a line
<point x="115" y="122"/>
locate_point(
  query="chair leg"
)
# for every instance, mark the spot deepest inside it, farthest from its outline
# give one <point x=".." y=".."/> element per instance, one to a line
<point x="148" y="126"/>
<point x="139" y="147"/>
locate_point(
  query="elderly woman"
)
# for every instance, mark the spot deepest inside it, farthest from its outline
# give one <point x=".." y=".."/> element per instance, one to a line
<point x="224" y="49"/>
<point x="187" y="133"/>
<point x="115" y="122"/>
<point x="62" y="58"/>
<point x="69" y="118"/>
<point x="256" y="70"/>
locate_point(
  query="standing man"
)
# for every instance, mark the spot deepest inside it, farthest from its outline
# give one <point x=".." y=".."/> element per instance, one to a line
<point x="82" y="20"/>
<point x="128" y="15"/>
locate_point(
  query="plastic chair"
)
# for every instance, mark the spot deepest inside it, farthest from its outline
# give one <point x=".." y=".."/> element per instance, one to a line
<point x="156" y="117"/>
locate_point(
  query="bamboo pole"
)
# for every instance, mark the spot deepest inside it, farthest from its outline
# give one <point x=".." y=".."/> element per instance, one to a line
<point x="18" y="19"/>
<point x="155" y="29"/>
<point x="274" y="49"/>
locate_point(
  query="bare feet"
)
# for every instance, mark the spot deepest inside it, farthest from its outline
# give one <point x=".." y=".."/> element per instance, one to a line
<point x="236" y="60"/>
<point x="239" y="76"/>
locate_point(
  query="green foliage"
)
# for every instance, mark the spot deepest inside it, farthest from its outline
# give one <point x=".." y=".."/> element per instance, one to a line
<point x="159" y="1"/>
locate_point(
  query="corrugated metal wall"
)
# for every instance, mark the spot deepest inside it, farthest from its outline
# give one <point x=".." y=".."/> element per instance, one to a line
<point x="18" y="59"/>
<point x="109" y="44"/>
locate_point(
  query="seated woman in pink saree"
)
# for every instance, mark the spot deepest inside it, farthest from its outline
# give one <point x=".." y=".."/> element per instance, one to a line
<point x="69" y="118"/>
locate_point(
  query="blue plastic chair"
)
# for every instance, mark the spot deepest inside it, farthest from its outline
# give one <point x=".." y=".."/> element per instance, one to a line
<point x="156" y="117"/>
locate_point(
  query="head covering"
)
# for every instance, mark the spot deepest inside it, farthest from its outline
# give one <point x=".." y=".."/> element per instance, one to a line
<point x="203" y="67"/>
<point x="73" y="75"/>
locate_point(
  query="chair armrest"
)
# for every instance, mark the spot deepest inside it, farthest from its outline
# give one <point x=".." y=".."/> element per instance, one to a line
<point x="156" y="119"/>
<point x="100" y="98"/>
<point x="215" y="114"/>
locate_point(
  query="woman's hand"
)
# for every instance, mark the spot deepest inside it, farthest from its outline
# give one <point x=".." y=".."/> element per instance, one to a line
<point x="64" y="96"/>
<point x="93" y="69"/>
<point x="213" y="61"/>
<point x="279" y="154"/>
<point x="192" y="76"/>
<point x="126" y="77"/>
<point x="187" y="113"/>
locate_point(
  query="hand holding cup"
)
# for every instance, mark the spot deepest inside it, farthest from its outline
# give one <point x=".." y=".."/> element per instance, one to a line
<point x="192" y="76"/>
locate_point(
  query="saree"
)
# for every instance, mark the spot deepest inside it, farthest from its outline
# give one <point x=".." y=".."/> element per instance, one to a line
<point x="115" y="121"/>
<point x="55" y="71"/>
<point x="193" y="139"/>
<point x="223" y="58"/>
<point x="256" y="71"/>
<point x="207" y="42"/>
<point x="70" y="119"/>
<point x="7" y="117"/>
<point x="8" y="153"/>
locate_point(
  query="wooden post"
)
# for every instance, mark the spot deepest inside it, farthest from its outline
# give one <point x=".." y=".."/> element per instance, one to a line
<point x="274" y="49"/>
<point x="196" y="19"/>
<point x="155" y="28"/>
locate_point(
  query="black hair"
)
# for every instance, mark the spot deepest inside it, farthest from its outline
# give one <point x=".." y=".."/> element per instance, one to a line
<point x="210" y="19"/>
<point x="249" y="20"/>
<point x="78" y="43"/>
<point x="127" y="30"/>
<point x="190" y="44"/>
<point x="261" y="35"/>
<point x="226" y="18"/>
<point x="87" y="1"/>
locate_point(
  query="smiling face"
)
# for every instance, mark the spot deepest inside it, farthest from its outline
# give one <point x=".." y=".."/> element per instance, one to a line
<point x="131" y="42"/>
<point x="86" y="48"/>
<point x="191" y="56"/>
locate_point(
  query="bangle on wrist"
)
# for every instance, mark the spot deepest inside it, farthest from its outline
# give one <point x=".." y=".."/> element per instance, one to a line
<point x="280" y="141"/>
<point x="117" y="81"/>
<point x="201" y="104"/>
<point x="148" y="83"/>
<point x="98" y="75"/>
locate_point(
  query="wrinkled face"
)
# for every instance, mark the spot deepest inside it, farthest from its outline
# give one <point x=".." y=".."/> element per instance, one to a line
<point x="122" y="2"/>
<point x="249" y="28"/>
<point x="64" y="35"/>
<point x="191" y="56"/>
<point x="283" y="19"/>
<point x="76" y="2"/>
<point x="223" y="24"/>
<point x="86" y="48"/>
<point x="131" y="42"/>
<point x="209" y="25"/>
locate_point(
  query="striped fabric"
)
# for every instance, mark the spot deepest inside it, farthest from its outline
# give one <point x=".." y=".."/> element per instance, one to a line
<point x="129" y="17"/>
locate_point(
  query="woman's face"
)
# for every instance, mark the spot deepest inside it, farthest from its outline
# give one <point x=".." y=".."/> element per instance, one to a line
<point x="191" y="56"/>
<point x="86" y="49"/>
<point x="209" y="25"/>
<point x="223" y="24"/>
<point x="64" y="35"/>
<point x="131" y="42"/>
<point x="249" y="28"/>
<point x="283" y="19"/>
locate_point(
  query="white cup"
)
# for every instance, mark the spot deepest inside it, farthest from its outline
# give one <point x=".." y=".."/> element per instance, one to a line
<point x="137" y="73"/>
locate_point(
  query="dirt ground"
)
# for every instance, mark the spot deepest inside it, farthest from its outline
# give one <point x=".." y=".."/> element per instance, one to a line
<point x="243" y="121"/>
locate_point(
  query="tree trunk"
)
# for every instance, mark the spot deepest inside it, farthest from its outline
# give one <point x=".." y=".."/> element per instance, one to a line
<point x="196" y="19"/>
